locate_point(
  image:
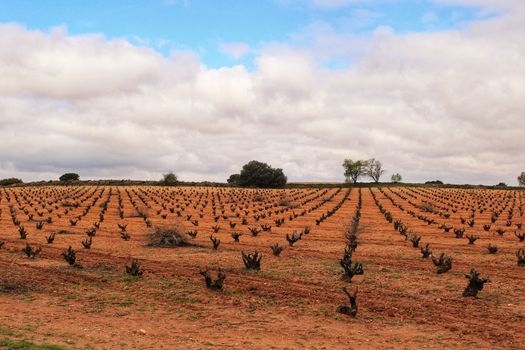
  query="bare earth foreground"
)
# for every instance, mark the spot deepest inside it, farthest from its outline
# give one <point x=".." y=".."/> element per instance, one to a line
<point x="291" y="302"/>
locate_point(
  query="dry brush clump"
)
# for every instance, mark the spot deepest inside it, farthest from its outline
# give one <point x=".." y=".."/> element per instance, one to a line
<point x="492" y="249"/>
<point x="134" y="268"/>
<point x="266" y="227"/>
<point x="70" y="257"/>
<point x="87" y="242"/>
<point x="521" y="256"/>
<point x="475" y="284"/>
<point x="352" y="309"/>
<point x="92" y="232"/>
<point x="22" y="232"/>
<point x="350" y="269"/>
<point x="254" y="231"/>
<point x="236" y="235"/>
<point x="292" y="239"/>
<point x="169" y="236"/>
<point x="276" y="249"/>
<point x="472" y="238"/>
<point x="51" y="238"/>
<point x="443" y="263"/>
<point x="252" y="261"/>
<point x="459" y="232"/>
<point x="415" y="239"/>
<point x="215" y="242"/>
<point x="213" y="284"/>
<point x="31" y="252"/>
<point x="426" y="251"/>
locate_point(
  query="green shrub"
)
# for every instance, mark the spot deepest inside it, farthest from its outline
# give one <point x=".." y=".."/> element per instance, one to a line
<point x="258" y="174"/>
<point x="69" y="177"/>
<point x="10" y="181"/>
<point x="169" y="179"/>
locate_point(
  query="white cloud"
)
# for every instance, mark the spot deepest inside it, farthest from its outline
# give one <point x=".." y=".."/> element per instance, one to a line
<point x="335" y="4"/>
<point x="234" y="50"/>
<point x="488" y="4"/>
<point x="445" y="105"/>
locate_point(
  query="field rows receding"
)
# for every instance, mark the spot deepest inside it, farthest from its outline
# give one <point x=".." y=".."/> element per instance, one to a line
<point x="291" y="302"/>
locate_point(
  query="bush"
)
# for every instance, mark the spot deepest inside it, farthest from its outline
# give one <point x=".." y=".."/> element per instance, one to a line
<point x="435" y="182"/>
<point x="257" y="174"/>
<point x="10" y="181"/>
<point x="69" y="177"/>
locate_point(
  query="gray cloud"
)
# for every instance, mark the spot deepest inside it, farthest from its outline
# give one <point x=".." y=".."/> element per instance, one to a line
<point x="445" y="105"/>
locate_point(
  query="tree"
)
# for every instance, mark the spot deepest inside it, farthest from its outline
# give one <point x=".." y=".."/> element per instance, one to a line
<point x="10" y="181"/>
<point x="354" y="169"/>
<point x="234" y="179"/>
<point x="434" y="182"/>
<point x="374" y="169"/>
<point x="521" y="179"/>
<point x="396" y="178"/>
<point x="257" y="174"/>
<point x="69" y="177"/>
<point x="169" y="179"/>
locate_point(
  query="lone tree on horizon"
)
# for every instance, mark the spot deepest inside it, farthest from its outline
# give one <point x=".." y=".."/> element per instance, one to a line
<point x="169" y="179"/>
<point x="521" y="179"/>
<point x="374" y="169"/>
<point x="69" y="177"/>
<point x="396" y="178"/>
<point x="258" y="174"/>
<point x="354" y="169"/>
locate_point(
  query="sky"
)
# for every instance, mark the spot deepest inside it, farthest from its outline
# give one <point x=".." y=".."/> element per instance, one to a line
<point x="133" y="89"/>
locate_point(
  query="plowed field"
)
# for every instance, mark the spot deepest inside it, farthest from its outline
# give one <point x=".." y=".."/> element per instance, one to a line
<point x="291" y="301"/>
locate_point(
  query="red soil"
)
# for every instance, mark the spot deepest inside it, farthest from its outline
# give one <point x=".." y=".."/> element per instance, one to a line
<point x="290" y="303"/>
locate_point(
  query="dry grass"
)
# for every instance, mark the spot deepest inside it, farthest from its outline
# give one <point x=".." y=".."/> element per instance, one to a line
<point x="169" y="236"/>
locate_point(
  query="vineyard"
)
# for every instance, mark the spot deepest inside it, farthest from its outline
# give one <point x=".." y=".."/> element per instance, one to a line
<point x="196" y="267"/>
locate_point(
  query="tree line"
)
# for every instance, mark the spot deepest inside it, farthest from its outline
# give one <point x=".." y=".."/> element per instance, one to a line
<point x="261" y="175"/>
<point x="355" y="169"/>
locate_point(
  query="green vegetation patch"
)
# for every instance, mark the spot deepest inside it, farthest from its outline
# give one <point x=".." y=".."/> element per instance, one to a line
<point x="7" y="344"/>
